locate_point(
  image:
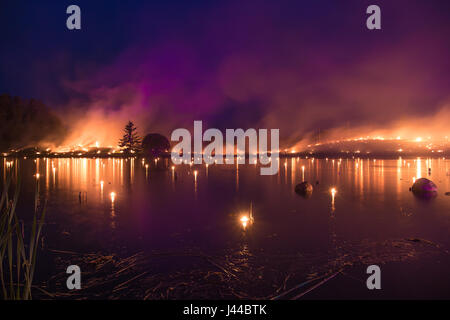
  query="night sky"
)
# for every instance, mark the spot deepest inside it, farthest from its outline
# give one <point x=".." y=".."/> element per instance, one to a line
<point x="293" y="65"/>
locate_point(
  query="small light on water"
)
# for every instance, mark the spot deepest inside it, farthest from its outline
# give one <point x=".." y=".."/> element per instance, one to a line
<point x="244" y="220"/>
<point x="333" y="193"/>
<point x="113" y="196"/>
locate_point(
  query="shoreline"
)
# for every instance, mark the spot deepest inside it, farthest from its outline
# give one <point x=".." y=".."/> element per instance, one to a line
<point x="306" y="155"/>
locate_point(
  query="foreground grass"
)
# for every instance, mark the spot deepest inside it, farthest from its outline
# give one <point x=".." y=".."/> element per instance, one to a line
<point x="17" y="259"/>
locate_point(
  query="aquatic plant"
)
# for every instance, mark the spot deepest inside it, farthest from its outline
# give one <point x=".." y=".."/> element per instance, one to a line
<point x="17" y="259"/>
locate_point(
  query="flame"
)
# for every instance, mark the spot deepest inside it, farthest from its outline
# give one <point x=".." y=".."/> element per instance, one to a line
<point x="244" y="220"/>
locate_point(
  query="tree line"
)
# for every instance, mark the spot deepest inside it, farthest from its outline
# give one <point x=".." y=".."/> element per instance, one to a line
<point x="27" y="122"/>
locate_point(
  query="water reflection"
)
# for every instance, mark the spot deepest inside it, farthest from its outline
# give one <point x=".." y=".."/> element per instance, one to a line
<point x="333" y="195"/>
<point x="113" y="211"/>
<point x="195" y="182"/>
<point x="152" y="197"/>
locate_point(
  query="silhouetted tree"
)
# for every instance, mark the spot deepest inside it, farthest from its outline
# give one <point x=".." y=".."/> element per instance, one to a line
<point x="131" y="140"/>
<point x="155" y="145"/>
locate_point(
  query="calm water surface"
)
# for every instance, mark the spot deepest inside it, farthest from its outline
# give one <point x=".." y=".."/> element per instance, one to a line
<point x="125" y="205"/>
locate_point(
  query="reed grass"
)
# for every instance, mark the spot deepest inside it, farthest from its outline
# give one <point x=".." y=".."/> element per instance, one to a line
<point x="17" y="258"/>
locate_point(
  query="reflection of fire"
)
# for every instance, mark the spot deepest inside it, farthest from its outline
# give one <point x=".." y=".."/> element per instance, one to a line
<point x="333" y="194"/>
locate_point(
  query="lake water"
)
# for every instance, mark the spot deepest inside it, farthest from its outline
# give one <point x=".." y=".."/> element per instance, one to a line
<point x="130" y="205"/>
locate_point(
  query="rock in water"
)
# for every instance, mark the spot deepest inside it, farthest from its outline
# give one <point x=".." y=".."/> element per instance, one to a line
<point x="424" y="188"/>
<point x="304" y="189"/>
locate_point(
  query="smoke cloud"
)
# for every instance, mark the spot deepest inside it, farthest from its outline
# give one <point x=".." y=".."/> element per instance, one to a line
<point x="253" y="65"/>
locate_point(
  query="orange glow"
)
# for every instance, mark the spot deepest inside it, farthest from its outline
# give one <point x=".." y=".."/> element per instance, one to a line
<point x="244" y="221"/>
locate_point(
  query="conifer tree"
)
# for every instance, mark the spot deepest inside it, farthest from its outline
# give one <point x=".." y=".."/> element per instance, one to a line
<point x="131" y="140"/>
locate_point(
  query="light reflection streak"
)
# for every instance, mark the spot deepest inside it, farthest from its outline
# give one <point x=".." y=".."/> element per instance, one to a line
<point x="292" y="171"/>
<point x="333" y="195"/>
<point x="237" y="176"/>
<point x="113" y="210"/>
<point x="419" y="168"/>
<point x="195" y="182"/>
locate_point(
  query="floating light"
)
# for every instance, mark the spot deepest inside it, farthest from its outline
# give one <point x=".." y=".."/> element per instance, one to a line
<point x="244" y="221"/>
<point x="333" y="191"/>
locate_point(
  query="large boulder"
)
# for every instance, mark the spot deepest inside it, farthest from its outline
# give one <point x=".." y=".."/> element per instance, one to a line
<point x="424" y="188"/>
<point x="304" y="189"/>
<point x="155" y="145"/>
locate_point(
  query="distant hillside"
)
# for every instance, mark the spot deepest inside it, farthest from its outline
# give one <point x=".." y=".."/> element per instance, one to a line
<point x="375" y="147"/>
<point x="27" y="122"/>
